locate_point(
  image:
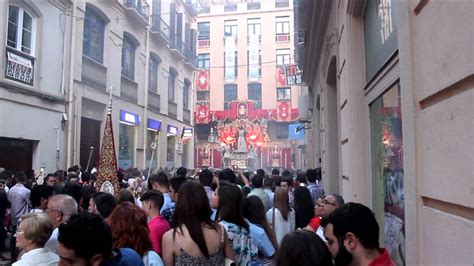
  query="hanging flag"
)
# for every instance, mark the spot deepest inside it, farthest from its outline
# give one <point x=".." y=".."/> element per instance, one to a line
<point x="280" y="78"/>
<point x="229" y="58"/>
<point x="202" y="80"/>
<point x="107" y="172"/>
<point x="253" y="57"/>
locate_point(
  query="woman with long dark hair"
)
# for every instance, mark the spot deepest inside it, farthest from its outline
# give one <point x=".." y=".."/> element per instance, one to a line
<point x="228" y="202"/>
<point x="304" y="207"/>
<point x="262" y="232"/>
<point x="196" y="239"/>
<point x="281" y="216"/>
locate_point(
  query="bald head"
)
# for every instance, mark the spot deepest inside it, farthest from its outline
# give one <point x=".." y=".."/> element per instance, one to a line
<point x="60" y="208"/>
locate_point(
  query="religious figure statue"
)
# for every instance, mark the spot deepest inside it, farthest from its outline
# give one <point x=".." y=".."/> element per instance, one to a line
<point x="252" y="154"/>
<point x="241" y="143"/>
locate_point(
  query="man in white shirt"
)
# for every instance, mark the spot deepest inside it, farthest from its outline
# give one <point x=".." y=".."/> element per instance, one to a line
<point x="60" y="208"/>
<point x="257" y="183"/>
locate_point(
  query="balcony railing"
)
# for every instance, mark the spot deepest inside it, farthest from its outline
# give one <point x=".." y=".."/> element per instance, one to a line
<point x="172" y="109"/>
<point x="140" y="6"/>
<point x="253" y="6"/>
<point x="282" y="3"/>
<point x="189" y="54"/>
<point x="129" y="90"/>
<point x="187" y="116"/>
<point x="154" y="101"/>
<point x="94" y="74"/>
<point x="230" y="7"/>
<point x="160" y="26"/>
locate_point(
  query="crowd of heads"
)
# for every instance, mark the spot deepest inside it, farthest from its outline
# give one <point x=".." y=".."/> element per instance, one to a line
<point x="90" y="224"/>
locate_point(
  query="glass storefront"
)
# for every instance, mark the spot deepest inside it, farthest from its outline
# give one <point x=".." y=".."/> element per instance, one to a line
<point x="127" y="135"/>
<point x="387" y="171"/>
<point x="152" y="149"/>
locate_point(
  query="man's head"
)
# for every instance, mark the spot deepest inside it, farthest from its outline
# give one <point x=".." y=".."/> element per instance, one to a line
<point x="311" y="175"/>
<point x="40" y="195"/>
<point x="159" y="182"/>
<point x="257" y="181"/>
<point x="286" y="183"/>
<point x="275" y="171"/>
<point x="51" y="180"/>
<point x="330" y="203"/>
<point x="268" y="183"/>
<point x="72" y="177"/>
<point x="350" y="230"/>
<point x="60" y="208"/>
<point x="227" y="175"/>
<point x="182" y="171"/>
<point x="86" y="239"/>
<point x="175" y="184"/>
<point x="152" y="201"/>
<point x="20" y="177"/>
<point x="205" y="177"/>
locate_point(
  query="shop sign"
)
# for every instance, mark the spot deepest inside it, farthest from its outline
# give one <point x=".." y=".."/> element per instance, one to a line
<point x="129" y="118"/>
<point x="187" y="133"/>
<point x="293" y="75"/>
<point x="172" y="131"/>
<point x="19" y="67"/>
<point x="154" y="125"/>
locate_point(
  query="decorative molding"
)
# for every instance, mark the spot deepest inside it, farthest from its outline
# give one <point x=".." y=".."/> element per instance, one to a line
<point x="356" y="8"/>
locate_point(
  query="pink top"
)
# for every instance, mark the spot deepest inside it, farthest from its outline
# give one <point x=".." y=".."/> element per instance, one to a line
<point x="158" y="226"/>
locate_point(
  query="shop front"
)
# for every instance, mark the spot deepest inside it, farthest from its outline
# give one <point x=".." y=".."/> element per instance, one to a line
<point x="128" y="128"/>
<point x="152" y="138"/>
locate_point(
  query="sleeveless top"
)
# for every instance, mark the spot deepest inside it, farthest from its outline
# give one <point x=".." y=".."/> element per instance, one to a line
<point x="216" y="257"/>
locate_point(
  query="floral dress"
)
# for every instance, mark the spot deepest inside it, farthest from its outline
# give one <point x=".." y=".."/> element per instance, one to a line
<point x="241" y="243"/>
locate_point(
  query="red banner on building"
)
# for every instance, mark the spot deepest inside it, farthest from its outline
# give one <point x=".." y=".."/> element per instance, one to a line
<point x="202" y="80"/>
<point x="202" y="114"/>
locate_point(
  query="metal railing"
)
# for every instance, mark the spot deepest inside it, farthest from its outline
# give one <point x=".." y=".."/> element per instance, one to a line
<point x="129" y="90"/>
<point x="142" y="7"/>
<point x="160" y="26"/>
<point x="154" y="101"/>
<point x="94" y="74"/>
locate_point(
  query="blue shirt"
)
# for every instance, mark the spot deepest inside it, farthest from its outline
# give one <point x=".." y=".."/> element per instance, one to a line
<point x="261" y="240"/>
<point x="125" y="257"/>
<point x="167" y="203"/>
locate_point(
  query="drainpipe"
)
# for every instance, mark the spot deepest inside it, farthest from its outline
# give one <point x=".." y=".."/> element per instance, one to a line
<point x="70" y="109"/>
<point x="145" y="106"/>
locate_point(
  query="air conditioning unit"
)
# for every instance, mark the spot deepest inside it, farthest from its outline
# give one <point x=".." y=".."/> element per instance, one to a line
<point x="204" y="43"/>
<point x="283" y="38"/>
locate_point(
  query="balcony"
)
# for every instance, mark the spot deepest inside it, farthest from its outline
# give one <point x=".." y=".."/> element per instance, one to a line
<point x="282" y="3"/>
<point x="230" y="7"/>
<point x="189" y="55"/>
<point x="154" y="102"/>
<point x="253" y="6"/>
<point x="172" y="109"/>
<point x="94" y="74"/>
<point x="177" y="47"/>
<point x="259" y="38"/>
<point x="138" y="9"/>
<point x="160" y="29"/>
<point x="279" y="38"/>
<point x="186" y="116"/>
<point x="129" y="90"/>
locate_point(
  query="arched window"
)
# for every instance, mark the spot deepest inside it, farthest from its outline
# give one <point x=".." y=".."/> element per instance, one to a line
<point x="128" y="57"/>
<point x="21" y="30"/>
<point x="153" y="73"/>
<point x="93" y="43"/>
<point x="171" y="83"/>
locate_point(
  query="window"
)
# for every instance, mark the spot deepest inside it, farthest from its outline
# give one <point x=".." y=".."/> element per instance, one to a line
<point x="204" y="31"/>
<point x="254" y="26"/>
<point x="255" y="94"/>
<point x="202" y="96"/>
<point x="282" y="25"/>
<point x="186" y="93"/>
<point x="153" y="74"/>
<point x="21" y="34"/>
<point x="283" y="94"/>
<point x="93" y="43"/>
<point x="283" y="56"/>
<point x="128" y="57"/>
<point x="230" y="94"/>
<point x="236" y="68"/>
<point x="230" y="27"/>
<point x="259" y="63"/>
<point x="282" y="131"/>
<point x="282" y="3"/>
<point x="203" y="61"/>
<point x="171" y="83"/>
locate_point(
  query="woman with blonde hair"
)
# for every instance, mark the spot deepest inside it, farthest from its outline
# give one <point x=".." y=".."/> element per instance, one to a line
<point x="281" y="216"/>
<point x="32" y="234"/>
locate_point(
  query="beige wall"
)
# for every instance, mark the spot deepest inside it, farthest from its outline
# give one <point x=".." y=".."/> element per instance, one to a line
<point x="268" y="48"/>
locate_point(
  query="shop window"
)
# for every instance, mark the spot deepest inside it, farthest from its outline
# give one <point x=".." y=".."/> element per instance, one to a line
<point x="126" y="146"/>
<point x="387" y="171"/>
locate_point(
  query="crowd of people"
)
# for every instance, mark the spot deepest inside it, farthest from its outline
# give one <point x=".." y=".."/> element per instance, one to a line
<point x="226" y="217"/>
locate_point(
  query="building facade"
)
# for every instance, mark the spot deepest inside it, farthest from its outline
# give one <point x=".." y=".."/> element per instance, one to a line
<point x="244" y="102"/>
<point x="143" y="52"/>
<point x="390" y="89"/>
